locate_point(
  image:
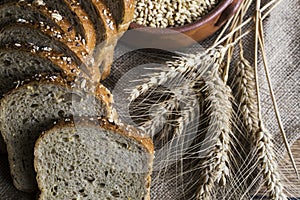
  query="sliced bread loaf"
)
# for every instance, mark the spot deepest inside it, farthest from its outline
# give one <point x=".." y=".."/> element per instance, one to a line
<point x="93" y="160"/>
<point x="16" y="65"/>
<point x="34" y="107"/>
<point x="48" y="38"/>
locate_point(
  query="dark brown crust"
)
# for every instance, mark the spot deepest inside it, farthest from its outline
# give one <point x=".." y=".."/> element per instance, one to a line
<point x="86" y="23"/>
<point x="114" y="31"/>
<point x="127" y="15"/>
<point x="104" y="58"/>
<point x="22" y="5"/>
<point x="83" y="48"/>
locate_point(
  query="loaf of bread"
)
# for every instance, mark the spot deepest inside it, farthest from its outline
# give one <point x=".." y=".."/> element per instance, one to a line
<point x="72" y="43"/>
<point x="76" y="37"/>
<point x="36" y="106"/>
<point x="93" y="159"/>
<point x="86" y="31"/>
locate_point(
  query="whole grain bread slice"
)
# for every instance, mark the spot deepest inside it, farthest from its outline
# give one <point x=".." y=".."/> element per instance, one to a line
<point x="17" y="65"/>
<point x="22" y="12"/>
<point x="22" y="61"/>
<point x="36" y="106"/>
<point x="93" y="159"/>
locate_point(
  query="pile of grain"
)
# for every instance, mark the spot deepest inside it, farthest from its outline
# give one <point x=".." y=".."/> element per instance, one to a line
<point x="171" y="13"/>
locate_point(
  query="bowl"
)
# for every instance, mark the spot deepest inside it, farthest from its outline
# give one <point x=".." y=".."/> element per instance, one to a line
<point x="176" y="37"/>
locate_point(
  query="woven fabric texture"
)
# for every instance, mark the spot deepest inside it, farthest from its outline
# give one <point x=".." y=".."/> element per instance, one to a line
<point x="283" y="52"/>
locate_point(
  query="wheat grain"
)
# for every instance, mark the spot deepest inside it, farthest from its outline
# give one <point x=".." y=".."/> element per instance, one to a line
<point x="216" y="166"/>
<point x="166" y="13"/>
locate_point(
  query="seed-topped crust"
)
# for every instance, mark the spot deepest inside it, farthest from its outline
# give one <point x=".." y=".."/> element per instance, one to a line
<point x="102" y="25"/>
<point x="124" y="15"/>
<point x="122" y="129"/>
<point x="104" y="50"/>
<point x="90" y="32"/>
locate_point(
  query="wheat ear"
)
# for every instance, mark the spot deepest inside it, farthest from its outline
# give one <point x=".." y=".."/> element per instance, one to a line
<point x="262" y="145"/>
<point x="158" y="117"/>
<point x="246" y="95"/>
<point x="215" y="168"/>
<point x="264" y="152"/>
<point x="182" y="103"/>
<point x="262" y="140"/>
<point x="190" y="67"/>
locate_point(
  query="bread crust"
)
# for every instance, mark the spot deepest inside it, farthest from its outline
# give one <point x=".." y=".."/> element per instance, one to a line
<point x="127" y="15"/>
<point x="90" y="32"/>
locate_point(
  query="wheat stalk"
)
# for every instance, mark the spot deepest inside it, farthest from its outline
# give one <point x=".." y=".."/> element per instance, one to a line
<point x="216" y="167"/>
<point x="262" y="146"/>
<point x="262" y="141"/>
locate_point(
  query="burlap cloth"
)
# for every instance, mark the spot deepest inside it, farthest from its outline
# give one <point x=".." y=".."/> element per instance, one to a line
<point x="282" y="46"/>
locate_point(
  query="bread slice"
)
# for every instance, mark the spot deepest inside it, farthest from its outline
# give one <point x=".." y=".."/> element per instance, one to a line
<point x="22" y="12"/>
<point x="93" y="159"/>
<point x="16" y="65"/>
<point x="36" y="106"/>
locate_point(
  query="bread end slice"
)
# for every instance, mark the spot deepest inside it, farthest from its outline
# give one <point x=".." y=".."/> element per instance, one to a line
<point x="93" y="159"/>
